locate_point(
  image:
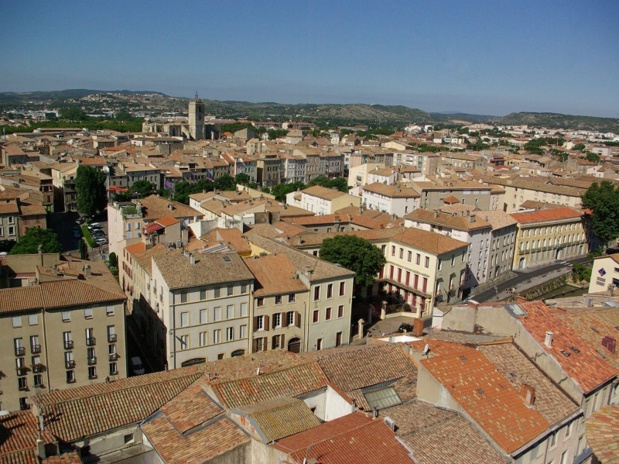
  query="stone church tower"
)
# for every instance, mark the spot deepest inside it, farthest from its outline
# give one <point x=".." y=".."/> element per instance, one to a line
<point x="196" y="118"/>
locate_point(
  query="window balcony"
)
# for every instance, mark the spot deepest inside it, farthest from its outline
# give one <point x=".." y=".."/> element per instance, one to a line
<point x="113" y="356"/>
<point x="68" y="344"/>
<point x="20" y="351"/>
<point x="35" y="349"/>
<point x="92" y="361"/>
<point x="111" y="338"/>
<point x="91" y="341"/>
<point x="38" y="368"/>
<point x="22" y="371"/>
<point x="70" y="364"/>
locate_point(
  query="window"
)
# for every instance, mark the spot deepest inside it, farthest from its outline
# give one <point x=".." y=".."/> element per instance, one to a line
<point x="315" y="316"/>
<point x="260" y="301"/>
<point x="217" y="314"/>
<point x="203" y="294"/>
<point x="401" y="253"/>
<point x="113" y="368"/>
<point x="319" y="344"/>
<point x="203" y="317"/>
<point x="328" y="314"/>
<point x="229" y="334"/>
<point x="35" y="346"/>
<point x="33" y="319"/>
<point x="230" y="290"/>
<point x="90" y="339"/>
<point x="184" y="319"/>
<point x="220" y="356"/>
<point x="202" y="338"/>
<point x="216" y="336"/>
<point x="230" y="312"/>
<point x="277" y="320"/>
<point x="259" y="322"/>
<point x="338" y="339"/>
<point x="17" y="321"/>
<point x="109" y="311"/>
<point x="244" y="288"/>
<point x="243" y="309"/>
<point x="183" y="297"/>
<point x="568" y="429"/>
<point x="66" y="316"/>
<point x="427" y="264"/>
<point x="291" y="298"/>
<point x="70" y="376"/>
<point x="38" y="381"/>
<point x="278" y="299"/>
<point x="553" y="439"/>
<point x="184" y="342"/>
<point x="340" y="311"/>
<point x="290" y="318"/>
<point x="217" y="293"/>
<point x="277" y="341"/>
<point x="128" y="438"/>
<point x="330" y="291"/>
<point x="564" y="457"/>
<point x="392" y="250"/>
<point x="417" y="258"/>
<point x="342" y="288"/>
<point x="92" y="372"/>
<point x="409" y="256"/>
<point x="22" y="383"/>
<point x="243" y="331"/>
<point x="317" y="293"/>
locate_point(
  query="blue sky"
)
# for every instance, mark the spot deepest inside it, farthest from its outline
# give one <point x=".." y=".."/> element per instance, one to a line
<point x="472" y="56"/>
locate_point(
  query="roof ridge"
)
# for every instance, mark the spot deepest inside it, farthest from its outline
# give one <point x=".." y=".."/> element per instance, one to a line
<point x="270" y="373"/>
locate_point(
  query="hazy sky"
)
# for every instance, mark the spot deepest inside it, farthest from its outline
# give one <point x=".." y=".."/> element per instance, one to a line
<point x="464" y="55"/>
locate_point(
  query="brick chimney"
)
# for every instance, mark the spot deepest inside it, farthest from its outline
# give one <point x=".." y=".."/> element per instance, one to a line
<point x="417" y="327"/>
<point x="528" y="393"/>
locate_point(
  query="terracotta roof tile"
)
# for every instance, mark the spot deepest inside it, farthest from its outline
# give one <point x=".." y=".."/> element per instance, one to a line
<point x="354" y="438"/>
<point x="487" y="397"/>
<point x="439" y="436"/>
<point x="279" y="418"/>
<point x="291" y="382"/>
<point x="554" y="214"/>
<point x="84" y="411"/>
<point x="430" y="242"/>
<point x="582" y="363"/>
<point x="18" y="437"/>
<point x="602" y="430"/>
<point x="323" y="192"/>
<point x="275" y="275"/>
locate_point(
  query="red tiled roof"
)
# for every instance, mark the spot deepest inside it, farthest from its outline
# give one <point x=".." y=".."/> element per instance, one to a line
<point x="602" y="430"/>
<point x="547" y="215"/>
<point x="292" y="382"/>
<point x="487" y="397"/>
<point x="153" y="227"/>
<point x="18" y="437"/>
<point x="354" y="438"/>
<point x="167" y="221"/>
<point x="582" y="363"/>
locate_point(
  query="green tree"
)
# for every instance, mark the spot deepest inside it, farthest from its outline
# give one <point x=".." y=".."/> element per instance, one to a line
<point x="594" y="157"/>
<point x="242" y="179"/>
<point x="83" y="249"/>
<point x="355" y="254"/>
<point x="603" y="200"/>
<point x="226" y="182"/>
<point x="281" y="190"/>
<point x="29" y="243"/>
<point x="73" y="114"/>
<point x="580" y="147"/>
<point x="320" y="180"/>
<point x="143" y="188"/>
<point x="91" y="191"/>
<point x="339" y="183"/>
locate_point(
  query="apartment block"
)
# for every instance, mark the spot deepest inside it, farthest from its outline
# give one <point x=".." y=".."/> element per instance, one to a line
<point x="67" y="330"/>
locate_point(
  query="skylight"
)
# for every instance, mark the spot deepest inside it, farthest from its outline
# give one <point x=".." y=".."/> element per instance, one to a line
<point x="383" y="398"/>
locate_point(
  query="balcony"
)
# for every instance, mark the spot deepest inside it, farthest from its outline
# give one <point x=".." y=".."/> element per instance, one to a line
<point x="111" y="338"/>
<point x="113" y="356"/>
<point x="35" y="349"/>
<point x="92" y="361"/>
<point x="91" y="341"/>
<point x="38" y="368"/>
<point x="22" y="371"/>
<point x="70" y="364"/>
<point x="20" y="351"/>
<point x="23" y="387"/>
<point x="68" y="344"/>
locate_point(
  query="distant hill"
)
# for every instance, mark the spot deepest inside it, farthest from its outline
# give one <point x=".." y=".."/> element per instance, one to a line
<point x="472" y="118"/>
<point x="560" y="121"/>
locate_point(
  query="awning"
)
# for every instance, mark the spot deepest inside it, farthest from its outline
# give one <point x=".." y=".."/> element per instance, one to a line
<point x="153" y="227"/>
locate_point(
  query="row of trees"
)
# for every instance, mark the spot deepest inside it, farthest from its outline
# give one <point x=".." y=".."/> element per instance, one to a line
<point x="281" y="190"/>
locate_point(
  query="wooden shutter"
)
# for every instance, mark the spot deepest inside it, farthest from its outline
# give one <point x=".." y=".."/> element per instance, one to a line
<point x="255" y="323"/>
<point x="297" y="318"/>
<point x="266" y="322"/>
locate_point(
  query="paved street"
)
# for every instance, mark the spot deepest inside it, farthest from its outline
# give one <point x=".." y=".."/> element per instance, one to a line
<point x="526" y="279"/>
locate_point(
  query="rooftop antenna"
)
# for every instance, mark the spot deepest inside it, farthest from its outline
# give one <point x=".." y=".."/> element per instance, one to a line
<point x="197" y="98"/>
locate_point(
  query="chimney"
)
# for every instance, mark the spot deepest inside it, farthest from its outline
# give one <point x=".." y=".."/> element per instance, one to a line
<point x="192" y="259"/>
<point x="528" y="393"/>
<point x="170" y="206"/>
<point x="472" y="218"/>
<point x="548" y="340"/>
<point x="417" y="327"/>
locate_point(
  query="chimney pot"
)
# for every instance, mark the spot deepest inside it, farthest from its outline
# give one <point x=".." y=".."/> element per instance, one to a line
<point x="548" y="340"/>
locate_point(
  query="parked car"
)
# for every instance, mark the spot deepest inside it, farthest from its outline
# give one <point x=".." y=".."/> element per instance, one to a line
<point x="94" y="225"/>
<point x="136" y="366"/>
